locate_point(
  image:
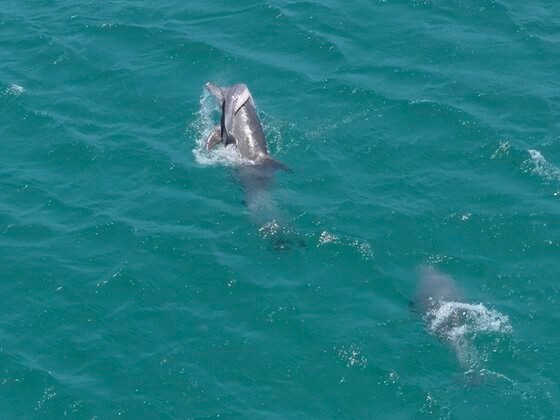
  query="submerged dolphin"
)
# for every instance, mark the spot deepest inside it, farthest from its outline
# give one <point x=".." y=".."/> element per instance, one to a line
<point x="449" y="317"/>
<point x="240" y="125"/>
<point x="434" y="291"/>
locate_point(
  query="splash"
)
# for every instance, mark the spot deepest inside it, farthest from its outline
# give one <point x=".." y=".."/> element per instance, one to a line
<point x="14" y="90"/>
<point x="280" y="134"/>
<point x="460" y="323"/>
<point x="452" y="320"/>
<point x="326" y="238"/>
<point x="541" y="167"/>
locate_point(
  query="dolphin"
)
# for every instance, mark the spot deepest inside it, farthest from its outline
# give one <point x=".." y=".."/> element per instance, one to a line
<point x="240" y="126"/>
<point x="434" y="291"/>
<point x="454" y="320"/>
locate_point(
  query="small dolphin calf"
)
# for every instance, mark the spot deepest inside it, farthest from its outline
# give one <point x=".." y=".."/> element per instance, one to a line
<point x="240" y="125"/>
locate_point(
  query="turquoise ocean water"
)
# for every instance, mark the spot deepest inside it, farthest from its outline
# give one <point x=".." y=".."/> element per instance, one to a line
<point x="137" y="282"/>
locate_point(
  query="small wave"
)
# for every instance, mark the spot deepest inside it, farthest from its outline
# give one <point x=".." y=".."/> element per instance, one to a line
<point x="281" y="237"/>
<point x="352" y="356"/>
<point x="363" y="247"/>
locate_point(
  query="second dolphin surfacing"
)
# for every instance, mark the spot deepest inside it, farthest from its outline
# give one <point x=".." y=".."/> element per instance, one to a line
<point x="450" y="318"/>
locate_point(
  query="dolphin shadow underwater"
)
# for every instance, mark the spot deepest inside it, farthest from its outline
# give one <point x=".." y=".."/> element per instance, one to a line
<point x="240" y="127"/>
<point x="456" y="322"/>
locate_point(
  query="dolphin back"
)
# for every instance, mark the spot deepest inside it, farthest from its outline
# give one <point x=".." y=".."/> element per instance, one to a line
<point x="230" y="100"/>
<point x="235" y="97"/>
<point x="434" y="289"/>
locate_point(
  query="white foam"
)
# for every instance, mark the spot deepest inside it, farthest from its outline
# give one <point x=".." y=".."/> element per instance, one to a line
<point x="15" y="90"/>
<point x="502" y="150"/>
<point x="364" y="248"/>
<point x="352" y="356"/>
<point x="542" y="168"/>
<point x="327" y="237"/>
<point x="270" y="228"/>
<point x="454" y="320"/>
<point x="459" y="323"/>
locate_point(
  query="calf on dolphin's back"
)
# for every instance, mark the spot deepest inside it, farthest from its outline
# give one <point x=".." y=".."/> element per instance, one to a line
<point x="240" y="126"/>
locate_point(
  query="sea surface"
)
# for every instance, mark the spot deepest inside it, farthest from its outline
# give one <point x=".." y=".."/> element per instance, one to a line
<point x="137" y="280"/>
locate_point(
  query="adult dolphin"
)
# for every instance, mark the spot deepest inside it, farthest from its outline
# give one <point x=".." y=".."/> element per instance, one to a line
<point x="241" y="128"/>
<point x="240" y="125"/>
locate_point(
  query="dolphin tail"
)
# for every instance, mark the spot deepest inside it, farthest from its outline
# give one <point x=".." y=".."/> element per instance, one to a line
<point x="213" y="138"/>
